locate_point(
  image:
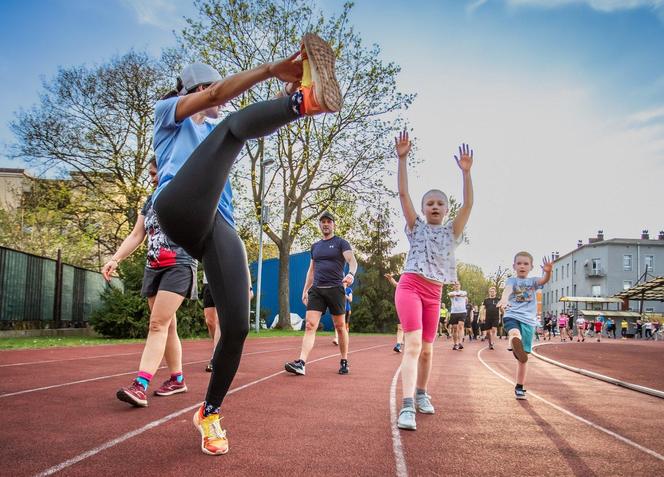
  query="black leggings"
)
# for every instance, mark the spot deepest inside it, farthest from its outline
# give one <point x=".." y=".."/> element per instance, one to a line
<point x="187" y="212"/>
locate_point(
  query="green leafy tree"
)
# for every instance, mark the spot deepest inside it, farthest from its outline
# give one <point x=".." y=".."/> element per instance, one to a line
<point x="374" y="310"/>
<point x="473" y="281"/>
<point x="315" y="158"/>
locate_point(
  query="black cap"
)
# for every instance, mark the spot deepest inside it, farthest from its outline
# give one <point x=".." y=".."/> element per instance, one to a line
<point x="326" y="215"/>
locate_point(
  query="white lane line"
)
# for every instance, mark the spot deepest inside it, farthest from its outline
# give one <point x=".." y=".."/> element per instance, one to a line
<point x="578" y="418"/>
<point x="599" y="377"/>
<point x="44" y="388"/>
<point x="399" y="458"/>
<point x="67" y="359"/>
<point x="163" y="420"/>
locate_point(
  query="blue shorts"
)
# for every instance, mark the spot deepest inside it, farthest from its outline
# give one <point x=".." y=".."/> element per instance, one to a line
<point x="526" y="331"/>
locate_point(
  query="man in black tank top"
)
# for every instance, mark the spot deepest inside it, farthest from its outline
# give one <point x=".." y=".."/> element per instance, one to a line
<point x="324" y="290"/>
<point x="492" y="315"/>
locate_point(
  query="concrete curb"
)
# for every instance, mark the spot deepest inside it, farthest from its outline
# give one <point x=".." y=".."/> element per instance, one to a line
<point x="601" y="377"/>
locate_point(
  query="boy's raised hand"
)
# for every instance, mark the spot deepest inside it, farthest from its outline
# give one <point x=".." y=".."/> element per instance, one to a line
<point x="547" y="265"/>
<point x="465" y="158"/>
<point x="402" y="144"/>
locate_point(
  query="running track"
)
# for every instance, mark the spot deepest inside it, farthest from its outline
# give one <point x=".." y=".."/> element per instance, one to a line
<point x="60" y="416"/>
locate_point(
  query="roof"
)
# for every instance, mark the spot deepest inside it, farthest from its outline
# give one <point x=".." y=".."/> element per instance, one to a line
<point x="654" y="240"/>
<point x="591" y="299"/>
<point x="652" y="290"/>
<point x="611" y="314"/>
<point x="12" y="170"/>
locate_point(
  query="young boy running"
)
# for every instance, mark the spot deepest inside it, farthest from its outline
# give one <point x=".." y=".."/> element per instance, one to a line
<point x="520" y="318"/>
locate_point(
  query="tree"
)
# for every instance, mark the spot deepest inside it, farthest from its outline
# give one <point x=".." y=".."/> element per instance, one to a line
<point x="375" y="309"/>
<point x="95" y="124"/>
<point x="497" y="279"/>
<point x="473" y="281"/>
<point x="316" y="158"/>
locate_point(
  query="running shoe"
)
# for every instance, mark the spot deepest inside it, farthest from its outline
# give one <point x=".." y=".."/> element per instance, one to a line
<point x="407" y="419"/>
<point x="397" y="348"/>
<point x="295" y="367"/>
<point x="520" y="394"/>
<point x="213" y="437"/>
<point x="335" y="342"/>
<point x="134" y="394"/>
<point x="491" y="346"/>
<point x="319" y="86"/>
<point x="208" y="368"/>
<point x="455" y="347"/>
<point x="423" y="404"/>
<point x="460" y="346"/>
<point x="518" y="351"/>
<point x="344" y="366"/>
<point x="171" y="387"/>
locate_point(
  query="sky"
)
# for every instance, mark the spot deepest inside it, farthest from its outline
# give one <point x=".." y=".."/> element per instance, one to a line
<point x="561" y="100"/>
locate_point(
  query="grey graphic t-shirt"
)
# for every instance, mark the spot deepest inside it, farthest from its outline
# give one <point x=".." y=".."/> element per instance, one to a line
<point x="161" y="251"/>
<point x="431" y="251"/>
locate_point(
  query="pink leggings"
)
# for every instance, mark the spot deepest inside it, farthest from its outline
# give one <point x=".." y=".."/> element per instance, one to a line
<point x="418" y="305"/>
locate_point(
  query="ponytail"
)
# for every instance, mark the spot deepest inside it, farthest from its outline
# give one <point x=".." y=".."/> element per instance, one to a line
<point x="174" y="92"/>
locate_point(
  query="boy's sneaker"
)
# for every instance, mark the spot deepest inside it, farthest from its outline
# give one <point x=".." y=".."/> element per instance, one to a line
<point x="208" y="368"/>
<point x="344" y="367"/>
<point x="460" y="346"/>
<point x="134" y="394"/>
<point x="171" y="387"/>
<point x="423" y="404"/>
<point x="213" y="437"/>
<point x="520" y="394"/>
<point x="295" y="367"/>
<point x="455" y="347"/>
<point x="397" y="348"/>
<point x="518" y="351"/>
<point x="491" y="346"/>
<point x="320" y="89"/>
<point x="407" y="419"/>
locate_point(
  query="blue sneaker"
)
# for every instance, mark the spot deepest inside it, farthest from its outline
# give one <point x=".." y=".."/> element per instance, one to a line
<point x="295" y="367"/>
<point x="520" y="394"/>
<point x="397" y="348"/>
<point x="407" y="419"/>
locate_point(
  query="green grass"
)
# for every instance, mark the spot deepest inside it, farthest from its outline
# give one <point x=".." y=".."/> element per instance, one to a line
<point x="54" y="341"/>
<point x="37" y="342"/>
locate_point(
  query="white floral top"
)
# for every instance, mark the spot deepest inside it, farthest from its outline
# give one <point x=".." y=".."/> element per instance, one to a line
<point x="431" y="251"/>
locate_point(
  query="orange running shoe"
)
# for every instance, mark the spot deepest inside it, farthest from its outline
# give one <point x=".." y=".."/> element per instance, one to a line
<point x="213" y="437"/>
<point x="319" y="86"/>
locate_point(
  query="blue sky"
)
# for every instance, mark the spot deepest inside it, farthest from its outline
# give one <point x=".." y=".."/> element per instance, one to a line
<point x="563" y="100"/>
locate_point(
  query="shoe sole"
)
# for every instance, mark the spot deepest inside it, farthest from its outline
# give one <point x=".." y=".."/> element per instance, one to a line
<point x="343" y="372"/>
<point x="128" y="398"/>
<point x="518" y="351"/>
<point x="521" y="398"/>
<point x="322" y="60"/>
<point x="170" y="393"/>
<point x="293" y="370"/>
<point x="202" y="433"/>
<point x="422" y="411"/>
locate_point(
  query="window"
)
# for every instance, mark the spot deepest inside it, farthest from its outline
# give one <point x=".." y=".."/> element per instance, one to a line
<point x="596" y="290"/>
<point x="574" y="290"/>
<point x="650" y="263"/>
<point x="627" y="284"/>
<point x="567" y="267"/>
<point x="650" y="310"/>
<point x="597" y="264"/>
<point x="567" y="291"/>
<point x="574" y="268"/>
<point x="556" y="275"/>
<point x="627" y="263"/>
<point x="562" y="292"/>
<point x="556" y="295"/>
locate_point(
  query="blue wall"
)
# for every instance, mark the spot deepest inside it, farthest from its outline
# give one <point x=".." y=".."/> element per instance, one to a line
<point x="299" y="264"/>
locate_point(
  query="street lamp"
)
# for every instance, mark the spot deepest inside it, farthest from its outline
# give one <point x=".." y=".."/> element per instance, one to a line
<point x="264" y="163"/>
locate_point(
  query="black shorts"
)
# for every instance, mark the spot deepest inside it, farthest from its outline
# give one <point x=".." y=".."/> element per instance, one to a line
<point x="180" y="279"/>
<point x="208" y="301"/>
<point x="456" y="318"/>
<point x="322" y="299"/>
<point x="491" y="322"/>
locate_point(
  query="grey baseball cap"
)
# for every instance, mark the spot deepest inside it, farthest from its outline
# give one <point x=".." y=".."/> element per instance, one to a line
<point x="196" y="74"/>
<point x="326" y="215"/>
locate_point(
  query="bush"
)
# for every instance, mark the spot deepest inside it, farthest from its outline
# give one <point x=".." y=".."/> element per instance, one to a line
<point x="125" y="314"/>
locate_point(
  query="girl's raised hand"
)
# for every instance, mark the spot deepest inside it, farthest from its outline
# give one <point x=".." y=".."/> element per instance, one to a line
<point x="465" y="158"/>
<point x="402" y="144"/>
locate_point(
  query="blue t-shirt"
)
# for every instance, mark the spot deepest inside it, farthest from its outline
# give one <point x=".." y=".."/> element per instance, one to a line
<point x="329" y="261"/>
<point x="349" y="291"/>
<point x="523" y="300"/>
<point x="173" y="144"/>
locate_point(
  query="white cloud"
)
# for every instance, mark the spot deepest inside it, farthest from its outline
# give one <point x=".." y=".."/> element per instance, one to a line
<point x="606" y="6"/>
<point x="159" y="13"/>
<point x="552" y="166"/>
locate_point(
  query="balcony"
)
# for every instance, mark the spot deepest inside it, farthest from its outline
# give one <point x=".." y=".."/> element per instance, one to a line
<point x="595" y="272"/>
